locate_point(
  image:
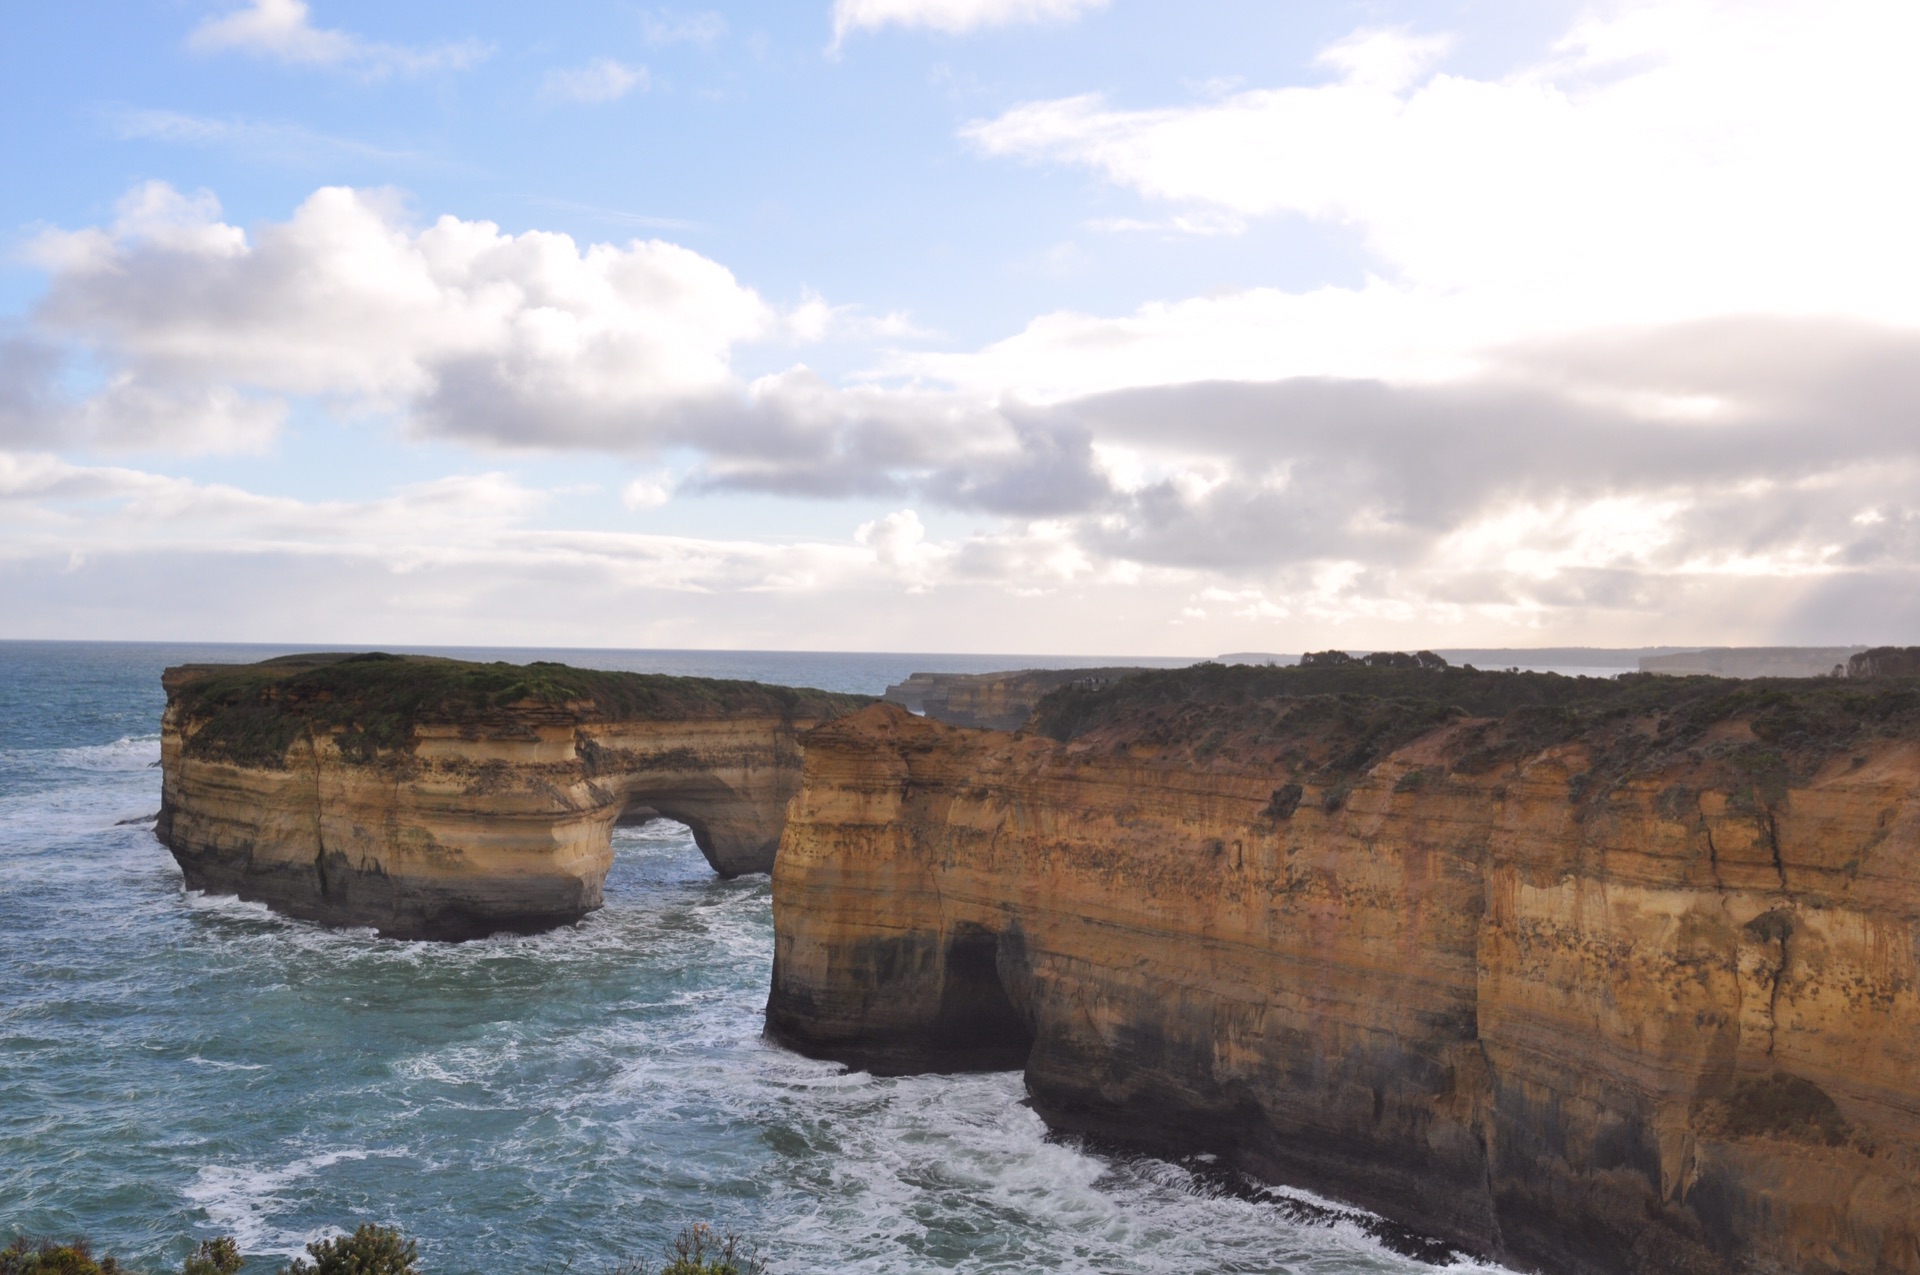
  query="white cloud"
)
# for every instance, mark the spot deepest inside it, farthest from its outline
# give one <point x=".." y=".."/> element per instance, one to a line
<point x="815" y="319"/>
<point x="1669" y="161"/>
<point x="132" y="507"/>
<point x="453" y="558"/>
<point x="899" y="543"/>
<point x="282" y="29"/>
<point x="461" y="331"/>
<point x="952" y="16"/>
<point x="601" y="80"/>
<point x="1389" y="60"/>
<point x="665" y="26"/>
<point x="458" y="328"/>
<point x="266" y="139"/>
<point x="1259" y="334"/>
<point x="650" y="490"/>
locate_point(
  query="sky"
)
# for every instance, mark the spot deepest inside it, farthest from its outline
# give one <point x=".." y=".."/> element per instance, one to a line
<point x="1103" y="327"/>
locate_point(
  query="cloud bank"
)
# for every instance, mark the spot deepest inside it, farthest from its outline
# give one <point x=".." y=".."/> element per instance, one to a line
<point x="1668" y="161"/>
<point x="1558" y="476"/>
<point x="1637" y="356"/>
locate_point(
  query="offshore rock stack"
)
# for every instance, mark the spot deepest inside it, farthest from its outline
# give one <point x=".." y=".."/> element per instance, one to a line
<point x="441" y="799"/>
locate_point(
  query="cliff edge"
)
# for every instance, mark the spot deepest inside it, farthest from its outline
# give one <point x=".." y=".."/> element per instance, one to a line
<point x="1588" y="976"/>
<point x="435" y="798"/>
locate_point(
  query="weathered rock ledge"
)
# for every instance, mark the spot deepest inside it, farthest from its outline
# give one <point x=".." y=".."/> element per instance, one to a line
<point x="1582" y="976"/>
<point x="441" y="799"/>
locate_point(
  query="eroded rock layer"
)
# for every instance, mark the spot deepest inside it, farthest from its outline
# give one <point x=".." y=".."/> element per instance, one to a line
<point x="440" y="799"/>
<point x="1608" y="977"/>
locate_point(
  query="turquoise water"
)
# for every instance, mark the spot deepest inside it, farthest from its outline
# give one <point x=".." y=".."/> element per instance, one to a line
<point x="174" y="1066"/>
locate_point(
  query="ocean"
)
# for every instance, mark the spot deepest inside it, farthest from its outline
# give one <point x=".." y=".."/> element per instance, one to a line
<point x="175" y="1066"/>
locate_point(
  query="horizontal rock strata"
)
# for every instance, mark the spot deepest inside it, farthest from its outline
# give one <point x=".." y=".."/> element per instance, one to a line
<point x="439" y="799"/>
<point x="1585" y="977"/>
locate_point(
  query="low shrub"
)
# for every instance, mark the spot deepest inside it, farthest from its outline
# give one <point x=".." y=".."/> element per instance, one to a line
<point x="370" y="1250"/>
<point x="697" y="1250"/>
<point x="51" y="1257"/>
<point x="213" y="1257"/>
<point x="75" y="1257"/>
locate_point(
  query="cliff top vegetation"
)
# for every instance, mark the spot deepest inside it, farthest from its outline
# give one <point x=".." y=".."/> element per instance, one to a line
<point x="1333" y="717"/>
<point x="371" y="703"/>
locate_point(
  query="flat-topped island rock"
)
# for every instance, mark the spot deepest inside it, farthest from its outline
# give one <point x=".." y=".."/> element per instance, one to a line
<point x="998" y="701"/>
<point x="436" y="798"/>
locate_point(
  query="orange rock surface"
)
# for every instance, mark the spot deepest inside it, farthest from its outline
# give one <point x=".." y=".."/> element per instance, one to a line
<point x="1568" y="1012"/>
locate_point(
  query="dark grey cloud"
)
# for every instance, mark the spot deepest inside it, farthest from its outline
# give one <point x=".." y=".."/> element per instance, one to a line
<point x="31" y="407"/>
<point x="1768" y="432"/>
<point x="1051" y="471"/>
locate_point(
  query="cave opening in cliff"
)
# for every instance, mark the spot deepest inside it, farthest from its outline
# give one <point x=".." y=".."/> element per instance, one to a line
<point x="637" y="816"/>
<point x="663" y="812"/>
<point x="979" y="1028"/>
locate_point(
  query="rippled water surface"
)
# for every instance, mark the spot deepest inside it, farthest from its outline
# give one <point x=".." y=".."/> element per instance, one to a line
<point x="174" y="1066"/>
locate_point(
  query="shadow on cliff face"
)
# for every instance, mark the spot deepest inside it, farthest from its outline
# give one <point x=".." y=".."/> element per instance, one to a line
<point x="978" y="1027"/>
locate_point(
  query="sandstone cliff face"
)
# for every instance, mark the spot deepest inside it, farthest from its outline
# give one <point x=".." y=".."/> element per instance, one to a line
<point x="459" y="824"/>
<point x="1612" y="1003"/>
<point x="1885" y="661"/>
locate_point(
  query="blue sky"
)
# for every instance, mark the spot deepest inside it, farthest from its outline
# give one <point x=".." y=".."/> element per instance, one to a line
<point x="1101" y="326"/>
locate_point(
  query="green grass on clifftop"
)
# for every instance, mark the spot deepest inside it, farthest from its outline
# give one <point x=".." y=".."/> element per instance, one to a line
<point x="250" y="713"/>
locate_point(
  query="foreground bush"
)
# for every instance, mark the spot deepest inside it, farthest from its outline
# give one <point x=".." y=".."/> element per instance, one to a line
<point x="213" y="1257"/>
<point x="698" y="1251"/>
<point x="370" y="1250"/>
<point x="75" y="1257"/>
<point x="24" y="1257"/>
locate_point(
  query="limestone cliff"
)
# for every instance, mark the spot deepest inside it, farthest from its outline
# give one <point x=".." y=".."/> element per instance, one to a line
<point x="1584" y="976"/>
<point x="1885" y="661"/>
<point x="441" y="799"/>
